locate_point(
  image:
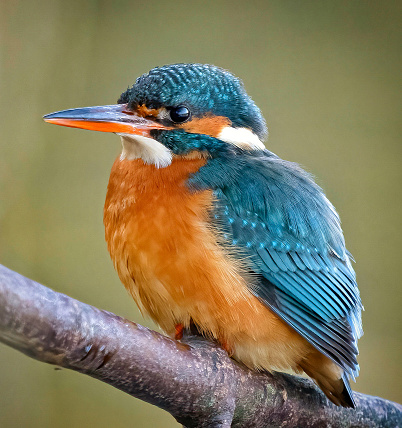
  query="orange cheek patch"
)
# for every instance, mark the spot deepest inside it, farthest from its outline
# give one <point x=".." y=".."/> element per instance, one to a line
<point x="144" y="111"/>
<point x="208" y="125"/>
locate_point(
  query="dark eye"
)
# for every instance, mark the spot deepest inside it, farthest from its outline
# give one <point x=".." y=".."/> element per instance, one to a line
<point x="179" y="114"/>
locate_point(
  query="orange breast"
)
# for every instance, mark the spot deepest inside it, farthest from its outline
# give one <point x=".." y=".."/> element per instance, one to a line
<point x="169" y="258"/>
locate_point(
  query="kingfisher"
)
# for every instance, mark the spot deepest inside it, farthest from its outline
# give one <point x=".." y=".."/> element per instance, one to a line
<point x="209" y="230"/>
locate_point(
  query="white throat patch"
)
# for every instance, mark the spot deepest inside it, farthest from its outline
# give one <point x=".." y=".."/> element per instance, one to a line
<point x="147" y="149"/>
<point x="241" y="137"/>
<point x="153" y="152"/>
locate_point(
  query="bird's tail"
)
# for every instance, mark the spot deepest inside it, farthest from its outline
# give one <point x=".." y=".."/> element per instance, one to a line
<point x="331" y="379"/>
<point x="347" y="393"/>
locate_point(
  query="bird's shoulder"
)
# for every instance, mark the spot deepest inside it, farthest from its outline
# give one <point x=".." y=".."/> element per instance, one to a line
<point x="262" y="190"/>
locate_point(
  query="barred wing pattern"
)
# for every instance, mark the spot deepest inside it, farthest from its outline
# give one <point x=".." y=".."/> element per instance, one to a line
<point x="312" y="287"/>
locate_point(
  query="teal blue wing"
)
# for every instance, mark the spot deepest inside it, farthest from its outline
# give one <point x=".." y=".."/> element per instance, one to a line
<point x="291" y="235"/>
<point x="314" y="291"/>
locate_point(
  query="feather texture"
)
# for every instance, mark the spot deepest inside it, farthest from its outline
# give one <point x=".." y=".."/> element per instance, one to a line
<point x="207" y="228"/>
<point x="274" y="214"/>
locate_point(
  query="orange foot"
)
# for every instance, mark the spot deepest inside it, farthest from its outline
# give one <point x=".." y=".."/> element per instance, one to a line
<point x="226" y="347"/>
<point x="178" y="331"/>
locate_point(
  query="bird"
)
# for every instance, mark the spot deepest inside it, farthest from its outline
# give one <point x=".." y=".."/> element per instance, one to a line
<point x="211" y="232"/>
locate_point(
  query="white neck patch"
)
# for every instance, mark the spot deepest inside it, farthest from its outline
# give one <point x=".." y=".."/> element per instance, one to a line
<point x="153" y="152"/>
<point x="147" y="149"/>
<point x="241" y="137"/>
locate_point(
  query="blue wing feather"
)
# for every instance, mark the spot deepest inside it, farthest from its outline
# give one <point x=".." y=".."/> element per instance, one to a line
<point x="280" y="220"/>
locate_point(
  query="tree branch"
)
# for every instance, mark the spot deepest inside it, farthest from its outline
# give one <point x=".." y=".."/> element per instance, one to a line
<point x="193" y="380"/>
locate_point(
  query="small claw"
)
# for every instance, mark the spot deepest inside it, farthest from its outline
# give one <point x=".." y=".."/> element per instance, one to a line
<point x="226" y="347"/>
<point x="179" y="328"/>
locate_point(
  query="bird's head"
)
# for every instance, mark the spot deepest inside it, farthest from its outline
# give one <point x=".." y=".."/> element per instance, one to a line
<point x="176" y="110"/>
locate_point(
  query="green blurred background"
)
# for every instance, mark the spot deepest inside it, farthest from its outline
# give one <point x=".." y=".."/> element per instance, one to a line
<point x="325" y="74"/>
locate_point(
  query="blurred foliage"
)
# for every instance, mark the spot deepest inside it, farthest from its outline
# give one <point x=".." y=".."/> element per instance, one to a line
<point x="325" y="74"/>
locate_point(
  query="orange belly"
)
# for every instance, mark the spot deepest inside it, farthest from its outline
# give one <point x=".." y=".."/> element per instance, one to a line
<point x="170" y="259"/>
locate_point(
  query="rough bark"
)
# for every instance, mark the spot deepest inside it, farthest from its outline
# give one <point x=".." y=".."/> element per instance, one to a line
<point x="194" y="380"/>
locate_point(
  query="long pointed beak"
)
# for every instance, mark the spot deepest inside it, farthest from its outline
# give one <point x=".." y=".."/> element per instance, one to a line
<point x="113" y="118"/>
